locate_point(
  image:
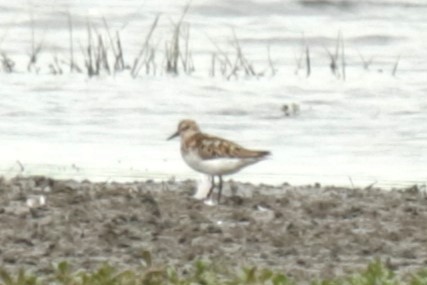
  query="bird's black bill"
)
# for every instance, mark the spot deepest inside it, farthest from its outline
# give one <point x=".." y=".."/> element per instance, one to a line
<point x="173" y="136"/>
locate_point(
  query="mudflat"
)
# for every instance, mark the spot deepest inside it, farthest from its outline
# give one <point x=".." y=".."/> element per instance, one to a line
<point x="303" y="231"/>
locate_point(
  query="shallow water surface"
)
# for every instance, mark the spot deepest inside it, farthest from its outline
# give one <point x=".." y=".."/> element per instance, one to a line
<point x="369" y="128"/>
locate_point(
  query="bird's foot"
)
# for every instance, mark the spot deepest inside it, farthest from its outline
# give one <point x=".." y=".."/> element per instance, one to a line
<point x="209" y="201"/>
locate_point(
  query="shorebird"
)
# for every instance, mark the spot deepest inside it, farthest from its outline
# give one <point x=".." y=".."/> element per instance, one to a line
<point x="212" y="155"/>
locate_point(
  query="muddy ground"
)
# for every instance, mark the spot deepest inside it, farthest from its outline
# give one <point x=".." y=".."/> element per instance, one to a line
<point x="306" y="232"/>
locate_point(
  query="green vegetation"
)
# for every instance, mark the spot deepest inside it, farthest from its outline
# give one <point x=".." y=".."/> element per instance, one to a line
<point x="200" y="272"/>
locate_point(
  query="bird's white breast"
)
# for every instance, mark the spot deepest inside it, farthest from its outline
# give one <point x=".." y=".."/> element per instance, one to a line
<point x="216" y="166"/>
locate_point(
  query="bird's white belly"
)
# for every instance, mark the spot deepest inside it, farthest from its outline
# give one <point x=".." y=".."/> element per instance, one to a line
<point x="216" y="166"/>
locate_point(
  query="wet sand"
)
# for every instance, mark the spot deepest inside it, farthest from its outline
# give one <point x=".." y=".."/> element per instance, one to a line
<point x="304" y="231"/>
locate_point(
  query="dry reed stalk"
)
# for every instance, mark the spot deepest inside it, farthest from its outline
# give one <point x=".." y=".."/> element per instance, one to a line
<point x="191" y="67"/>
<point x="333" y="57"/>
<point x="55" y="67"/>
<point x="103" y="55"/>
<point x="116" y="46"/>
<point x="298" y="61"/>
<point x="8" y="64"/>
<point x="343" y="62"/>
<point x="333" y="64"/>
<point x="365" y="63"/>
<point x="241" y="61"/>
<point x="186" y="58"/>
<point x="336" y="69"/>
<point x="119" y="60"/>
<point x="89" y="57"/>
<point x="304" y="54"/>
<point x="150" y="62"/>
<point x="71" y="41"/>
<point x="3" y="37"/>
<point x="110" y="38"/>
<point x="307" y="57"/>
<point x="35" y="49"/>
<point x="222" y="58"/>
<point x="97" y="51"/>
<point x="213" y="60"/>
<point x="234" y="69"/>
<point x="396" y="64"/>
<point x="136" y="64"/>
<point x="222" y="66"/>
<point x="307" y="61"/>
<point x="270" y="62"/>
<point x="174" y="53"/>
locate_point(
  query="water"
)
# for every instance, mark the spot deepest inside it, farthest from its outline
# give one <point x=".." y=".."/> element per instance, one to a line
<point x="369" y="128"/>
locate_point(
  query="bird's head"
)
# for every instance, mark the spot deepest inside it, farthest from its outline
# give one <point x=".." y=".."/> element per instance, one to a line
<point x="185" y="128"/>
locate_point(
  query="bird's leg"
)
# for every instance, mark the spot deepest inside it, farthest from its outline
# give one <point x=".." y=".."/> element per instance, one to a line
<point x="212" y="187"/>
<point x="219" y="188"/>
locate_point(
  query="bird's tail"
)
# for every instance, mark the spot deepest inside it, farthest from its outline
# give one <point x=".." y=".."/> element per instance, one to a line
<point x="259" y="154"/>
<point x="263" y="153"/>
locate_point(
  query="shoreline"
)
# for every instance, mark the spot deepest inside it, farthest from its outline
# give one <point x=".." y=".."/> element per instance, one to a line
<point x="78" y="173"/>
<point x="304" y="231"/>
